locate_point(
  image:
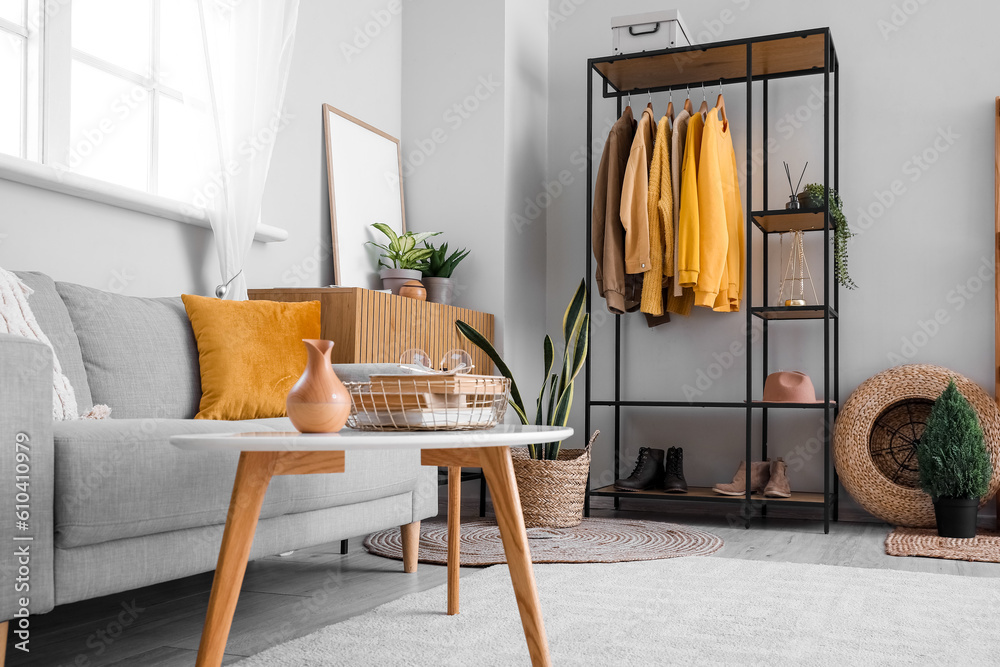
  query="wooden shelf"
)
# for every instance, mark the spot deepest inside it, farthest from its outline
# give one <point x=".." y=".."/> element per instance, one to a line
<point x="772" y="222"/>
<point x="706" y="494"/>
<point x="772" y="56"/>
<point x="793" y="312"/>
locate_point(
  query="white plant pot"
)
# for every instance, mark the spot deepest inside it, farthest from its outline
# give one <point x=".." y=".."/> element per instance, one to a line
<point x="393" y="279"/>
<point x="439" y="290"/>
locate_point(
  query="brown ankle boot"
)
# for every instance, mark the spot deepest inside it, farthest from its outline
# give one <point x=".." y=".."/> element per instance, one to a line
<point x="760" y="472"/>
<point x="777" y="486"/>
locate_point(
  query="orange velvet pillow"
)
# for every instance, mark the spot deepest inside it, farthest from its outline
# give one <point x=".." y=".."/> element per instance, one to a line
<point x="251" y="353"/>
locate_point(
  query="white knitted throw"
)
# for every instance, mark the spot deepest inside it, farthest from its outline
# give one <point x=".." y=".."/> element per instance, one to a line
<point x="16" y="318"/>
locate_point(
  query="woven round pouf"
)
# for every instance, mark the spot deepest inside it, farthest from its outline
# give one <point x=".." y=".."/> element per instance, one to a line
<point x="592" y="541"/>
<point x="875" y="438"/>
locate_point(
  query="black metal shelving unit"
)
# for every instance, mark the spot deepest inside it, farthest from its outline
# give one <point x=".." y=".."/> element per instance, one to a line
<point x="806" y="53"/>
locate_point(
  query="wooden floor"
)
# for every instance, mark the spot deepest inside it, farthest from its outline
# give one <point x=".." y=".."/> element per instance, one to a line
<point x="287" y="597"/>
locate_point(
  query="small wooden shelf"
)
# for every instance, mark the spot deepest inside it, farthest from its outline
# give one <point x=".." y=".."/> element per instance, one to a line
<point x="793" y="312"/>
<point x="773" y="57"/>
<point x="774" y="222"/>
<point x="706" y="494"/>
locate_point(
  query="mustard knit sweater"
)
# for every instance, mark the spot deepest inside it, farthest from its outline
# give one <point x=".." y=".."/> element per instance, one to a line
<point x="660" y="205"/>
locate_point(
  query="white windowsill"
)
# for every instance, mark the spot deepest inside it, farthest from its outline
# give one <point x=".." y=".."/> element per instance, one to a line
<point x="59" y="180"/>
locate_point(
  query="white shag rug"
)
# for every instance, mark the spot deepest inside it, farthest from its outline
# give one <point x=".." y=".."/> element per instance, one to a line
<point x="684" y="611"/>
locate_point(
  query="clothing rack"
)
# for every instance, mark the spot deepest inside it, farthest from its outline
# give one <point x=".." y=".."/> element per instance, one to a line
<point x="743" y="61"/>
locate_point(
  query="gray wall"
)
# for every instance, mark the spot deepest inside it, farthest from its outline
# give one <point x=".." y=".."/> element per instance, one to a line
<point x="334" y="62"/>
<point x="925" y="252"/>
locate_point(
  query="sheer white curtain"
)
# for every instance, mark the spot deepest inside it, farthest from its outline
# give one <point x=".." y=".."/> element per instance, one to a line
<point x="248" y="50"/>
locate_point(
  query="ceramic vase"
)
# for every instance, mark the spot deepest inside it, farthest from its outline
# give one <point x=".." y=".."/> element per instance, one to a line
<point x="319" y="401"/>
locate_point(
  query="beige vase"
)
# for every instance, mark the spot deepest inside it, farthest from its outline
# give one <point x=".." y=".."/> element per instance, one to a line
<point x="319" y="401"/>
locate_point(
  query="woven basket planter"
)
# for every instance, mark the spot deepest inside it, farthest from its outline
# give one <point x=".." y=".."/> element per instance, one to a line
<point x="552" y="492"/>
<point x="873" y="438"/>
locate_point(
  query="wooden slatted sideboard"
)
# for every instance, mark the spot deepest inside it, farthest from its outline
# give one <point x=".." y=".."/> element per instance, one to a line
<point x="375" y="327"/>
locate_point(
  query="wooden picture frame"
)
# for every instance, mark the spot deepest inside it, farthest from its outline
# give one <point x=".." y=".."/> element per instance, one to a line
<point x="367" y="164"/>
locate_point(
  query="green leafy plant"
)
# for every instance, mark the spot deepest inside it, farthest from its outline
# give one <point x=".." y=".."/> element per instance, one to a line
<point x="439" y="263"/>
<point x="402" y="251"/>
<point x="841" y="231"/>
<point x="951" y="453"/>
<point x="553" y="411"/>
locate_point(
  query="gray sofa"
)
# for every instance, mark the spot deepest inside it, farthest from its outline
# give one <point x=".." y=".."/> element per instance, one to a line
<point x="114" y="506"/>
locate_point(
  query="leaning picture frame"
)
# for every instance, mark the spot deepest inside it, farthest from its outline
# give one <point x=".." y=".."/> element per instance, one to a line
<point x="364" y="177"/>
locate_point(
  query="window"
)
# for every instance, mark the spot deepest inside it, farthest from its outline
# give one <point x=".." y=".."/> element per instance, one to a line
<point x="115" y="78"/>
<point x="14" y="59"/>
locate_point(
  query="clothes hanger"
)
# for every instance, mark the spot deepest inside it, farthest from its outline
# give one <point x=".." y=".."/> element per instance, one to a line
<point x="687" y="103"/>
<point x="703" y="109"/>
<point x="670" y="107"/>
<point x="720" y="104"/>
<point x="649" y="93"/>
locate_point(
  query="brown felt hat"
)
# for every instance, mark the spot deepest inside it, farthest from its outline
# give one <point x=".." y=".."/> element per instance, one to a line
<point x="789" y="387"/>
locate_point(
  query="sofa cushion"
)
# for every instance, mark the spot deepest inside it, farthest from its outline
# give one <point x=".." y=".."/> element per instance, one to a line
<point x="54" y="319"/>
<point x="140" y="353"/>
<point x="250" y="353"/>
<point x="116" y="479"/>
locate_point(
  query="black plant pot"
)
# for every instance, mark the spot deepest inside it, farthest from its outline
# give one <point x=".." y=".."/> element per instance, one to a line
<point x="956" y="517"/>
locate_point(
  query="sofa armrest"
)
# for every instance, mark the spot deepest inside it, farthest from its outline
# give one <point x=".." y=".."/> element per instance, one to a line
<point x="26" y="479"/>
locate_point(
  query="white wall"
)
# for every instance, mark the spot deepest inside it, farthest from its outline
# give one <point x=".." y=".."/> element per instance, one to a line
<point x="903" y="92"/>
<point x="474" y="148"/>
<point x="111" y="248"/>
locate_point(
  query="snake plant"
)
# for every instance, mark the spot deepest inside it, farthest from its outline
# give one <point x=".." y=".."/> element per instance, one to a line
<point x="554" y="410"/>
<point x="439" y="263"/>
<point x="402" y="250"/>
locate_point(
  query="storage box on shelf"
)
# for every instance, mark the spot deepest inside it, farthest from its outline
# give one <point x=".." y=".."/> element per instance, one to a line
<point x="756" y="60"/>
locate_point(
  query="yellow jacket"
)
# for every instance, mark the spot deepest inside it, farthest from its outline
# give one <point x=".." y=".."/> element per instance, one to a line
<point x="660" y="210"/>
<point x="712" y="287"/>
<point x="635" y="196"/>
<point x="688" y="237"/>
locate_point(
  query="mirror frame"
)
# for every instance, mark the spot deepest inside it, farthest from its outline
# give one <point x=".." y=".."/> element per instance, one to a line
<point x="327" y="110"/>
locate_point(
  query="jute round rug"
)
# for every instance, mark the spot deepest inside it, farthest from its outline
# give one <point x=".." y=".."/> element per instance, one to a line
<point x="984" y="547"/>
<point x="593" y="541"/>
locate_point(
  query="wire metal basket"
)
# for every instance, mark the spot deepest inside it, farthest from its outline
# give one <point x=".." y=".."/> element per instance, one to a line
<point x="428" y="402"/>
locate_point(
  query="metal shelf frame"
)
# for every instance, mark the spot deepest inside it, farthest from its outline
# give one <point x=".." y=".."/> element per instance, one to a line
<point x="776" y="61"/>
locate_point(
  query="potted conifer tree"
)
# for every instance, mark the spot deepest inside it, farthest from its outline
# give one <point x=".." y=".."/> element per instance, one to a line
<point x="954" y="465"/>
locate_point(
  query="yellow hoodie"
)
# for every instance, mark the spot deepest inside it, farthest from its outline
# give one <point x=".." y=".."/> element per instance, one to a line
<point x="721" y="228"/>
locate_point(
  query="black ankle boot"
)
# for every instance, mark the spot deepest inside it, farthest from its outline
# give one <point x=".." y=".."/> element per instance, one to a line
<point x="673" y="481"/>
<point x="648" y="473"/>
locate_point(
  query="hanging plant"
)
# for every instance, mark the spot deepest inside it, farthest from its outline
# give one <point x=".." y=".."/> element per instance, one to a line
<point x="841" y="231"/>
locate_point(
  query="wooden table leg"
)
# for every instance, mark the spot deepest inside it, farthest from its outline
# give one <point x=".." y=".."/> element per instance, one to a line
<point x="252" y="477"/>
<point x="409" y="535"/>
<point x="454" y="535"/>
<point x="499" y="473"/>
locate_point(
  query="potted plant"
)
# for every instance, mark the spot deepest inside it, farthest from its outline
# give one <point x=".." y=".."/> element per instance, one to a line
<point x="812" y="197"/>
<point x="401" y="258"/>
<point x="955" y="468"/>
<point x="551" y="481"/>
<point x="437" y="270"/>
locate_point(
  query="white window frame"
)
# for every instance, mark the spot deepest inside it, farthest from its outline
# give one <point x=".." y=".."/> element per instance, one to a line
<point x="45" y="122"/>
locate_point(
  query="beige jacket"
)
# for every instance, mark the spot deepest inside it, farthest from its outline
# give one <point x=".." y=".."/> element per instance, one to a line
<point x="608" y="234"/>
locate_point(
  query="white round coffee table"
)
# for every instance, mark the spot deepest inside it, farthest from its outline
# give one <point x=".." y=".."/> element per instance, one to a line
<point x="264" y="455"/>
